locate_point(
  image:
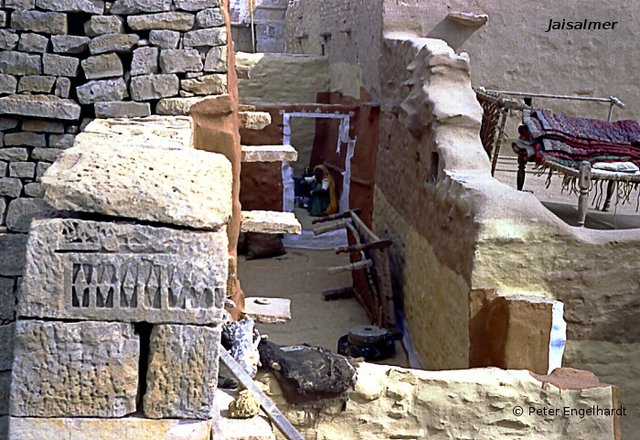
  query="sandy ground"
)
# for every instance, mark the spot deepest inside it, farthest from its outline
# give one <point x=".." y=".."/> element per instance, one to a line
<point x="301" y="276"/>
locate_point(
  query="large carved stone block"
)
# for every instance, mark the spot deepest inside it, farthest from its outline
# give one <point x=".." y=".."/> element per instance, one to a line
<point x="74" y="369"/>
<point x="115" y="271"/>
<point x="183" y="372"/>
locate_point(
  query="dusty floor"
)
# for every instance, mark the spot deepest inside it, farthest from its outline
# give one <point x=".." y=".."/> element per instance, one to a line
<point x="301" y="276"/>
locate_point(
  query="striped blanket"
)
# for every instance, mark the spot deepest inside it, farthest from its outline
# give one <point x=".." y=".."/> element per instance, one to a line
<point x="569" y="140"/>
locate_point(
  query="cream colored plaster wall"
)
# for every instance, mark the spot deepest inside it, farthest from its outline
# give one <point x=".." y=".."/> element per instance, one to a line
<point x="512" y="51"/>
<point x="390" y="402"/>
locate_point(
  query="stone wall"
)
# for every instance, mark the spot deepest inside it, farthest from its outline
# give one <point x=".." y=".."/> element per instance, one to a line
<point x="268" y="19"/>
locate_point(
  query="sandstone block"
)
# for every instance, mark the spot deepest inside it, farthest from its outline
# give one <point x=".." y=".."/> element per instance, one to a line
<point x="104" y="24"/>
<point x="180" y="60"/>
<point x="23" y="170"/>
<point x="14" y="154"/>
<point x="78" y="428"/>
<point x="102" y="90"/>
<point x="58" y="65"/>
<point x="216" y="60"/>
<point x="33" y="43"/>
<point x="6" y="346"/>
<point x="7" y="300"/>
<point x="51" y="23"/>
<point x="22" y="211"/>
<point x="41" y="168"/>
<point x="34" y="189"/>
<point x="117" y="109"/>
<point x="164" y="39"/>
<point x="127" y="7"/>
<point x="73" y="44"/>
<point x="81" y="369"/>
<point x="181" y="187"/>
<point x="214" y="84"/>
<point x="40" y="106"/>
<point x="63" y="141"/>
<point x="63" y="87"/>
<point x="8" y="39"/>
<point x="212" y="17"/>
<point x="154" y="87"/>
<point x="102" y="66"/>
<point x="18" y="63"/>
<point x="113" y="43"/>
<point x="183" y="372"/>
<point x="145" y="61"/>
<point x="86" y="6"/>
<point x="20" y="4"/>
<point x="205" y="37"/>
<point x="178" y="106"/>
<point x="36" y="84"/>
<point x="196" y="5"/>
<point x="42" y="126"/>
<point x="46" y="154"/>
<point x="25" y="138"/>
<point x="173" y="21"/>
<point x="12" y="259"/>
<point x="255" y="121"/>
<point x="270" y="222"/>
<point x="8" y="84"/>
<point x="104" y="271"/>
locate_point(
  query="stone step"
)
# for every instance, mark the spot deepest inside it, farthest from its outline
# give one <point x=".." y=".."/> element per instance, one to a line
<point x="269" y="153"/>
<point x="252" y="120"/>
<point x="270" y="222"/>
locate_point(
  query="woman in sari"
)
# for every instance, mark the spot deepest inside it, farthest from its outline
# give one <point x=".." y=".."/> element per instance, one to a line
<point x="322" y="200"/>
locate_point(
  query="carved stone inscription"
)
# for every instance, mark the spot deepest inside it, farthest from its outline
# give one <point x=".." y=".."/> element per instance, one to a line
<point x="112" y="271"/>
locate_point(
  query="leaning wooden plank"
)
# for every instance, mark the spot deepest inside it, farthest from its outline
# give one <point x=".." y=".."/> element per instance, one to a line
<point x="281" y="422"/>
<point x="328" y="218"/>
<point x="330" y="227"/>
<point x="270" y="222"/>
<point x="268" y="310"/>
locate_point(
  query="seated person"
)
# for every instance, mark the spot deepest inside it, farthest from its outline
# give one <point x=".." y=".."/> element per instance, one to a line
<point x="322" y="199"/>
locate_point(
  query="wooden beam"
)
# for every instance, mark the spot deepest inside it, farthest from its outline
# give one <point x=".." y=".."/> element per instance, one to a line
<point x="382" y="244"/>
<point x="358" y="265"/>
<point x="342" y="293"/>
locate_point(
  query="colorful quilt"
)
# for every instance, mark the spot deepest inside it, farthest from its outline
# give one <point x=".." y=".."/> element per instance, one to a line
<point x="569" y="140"/>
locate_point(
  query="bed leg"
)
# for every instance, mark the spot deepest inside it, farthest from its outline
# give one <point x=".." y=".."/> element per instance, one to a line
<point x="522" y="164"/>
<point x="610" y="188"/>
<point x="584" y="182"/>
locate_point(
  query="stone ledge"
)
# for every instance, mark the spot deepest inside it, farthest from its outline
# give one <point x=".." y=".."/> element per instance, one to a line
<point x="269" y="153"/>
<point x="270" y="222"/>
<point x="40" y="106"/>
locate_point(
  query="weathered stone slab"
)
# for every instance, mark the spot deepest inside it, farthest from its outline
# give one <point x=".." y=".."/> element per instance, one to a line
<point x="20" y="4"/>
<point x="8" y="84"/>
<point x="12" y="257"/>
<point x="183" y="372"/>
<point x="128" y="428"/>
<point x="41" y="106"/>
<point x="147" y="87"/>
<point x="196" y="5"/>
<point x="42" y="126"/>
<point x="22" y="211"/>
<point x="255" y="120"/>
<point x="22" y="170"/>
<point x="113" y="43"/>
<point x="7" y="298"/>
<point x="36" y="84"/>
<point x="178" y="106"/>
<point x="6" y="346"/>
<point x="8" y="39"/>
<point x="58" y="65"/>
<point x="270" y="222"/>
<point x="86" y="6"/>
<point x="33" y="43"/>
<point x="73" y="44"/>
<point x="214" y="84"/>
<point x="145" y="61"/>
<point x="63" y="87"/>
<point x="181" y="187"/>
<point x="269" y="153"/>
<point x="180" y="60"/>
<point x="10" y="187"/>
<point x="34" y="189"/>
<point x="126" y="7"/>
<point x="119" y="109"/>
<point x="102" y="90"/>
<point x="40" y="22"/>
<point x="104" y="24"/>
<point x="211" y="17"/>
<point x="164" y="39"/>
<point x="82" y="369"/>
<point x="107" y="271"/>
<point x="8" y="123"/>
<point x="216" y="60"/>
<point x="63" y="141"/>
<point x="14" y="154"/>
<point x="18" y="63"/>
<point x="25" y="138"/>
<point x="205" y="37"/>
<point x="173" y="21"/>
<point x="102" y="66"/>
<point x="46" y="154"/>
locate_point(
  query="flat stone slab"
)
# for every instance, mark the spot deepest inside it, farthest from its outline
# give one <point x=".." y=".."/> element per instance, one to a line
<point x="183" y="372"/>
<point x="133" y="427"/>
<point x="269" y="153"/>
<point x="254" y="120"/>
<point x="80" y="369"/>
<point x="80" y="269"/>
<point x="179" y="187"/>
<point x="268" y="310"/>
<point x="164" y="132"/>
<point x="270" y="222"/>
<point x="40" y="106"/>
<point x="179" y="106"/>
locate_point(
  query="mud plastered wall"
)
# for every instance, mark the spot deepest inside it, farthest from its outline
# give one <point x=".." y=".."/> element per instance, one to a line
<point x="513" y="51"/>
<point x="457" y="229"/>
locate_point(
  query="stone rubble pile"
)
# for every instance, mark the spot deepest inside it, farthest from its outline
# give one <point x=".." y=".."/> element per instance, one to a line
<point x="121" y="303"/>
